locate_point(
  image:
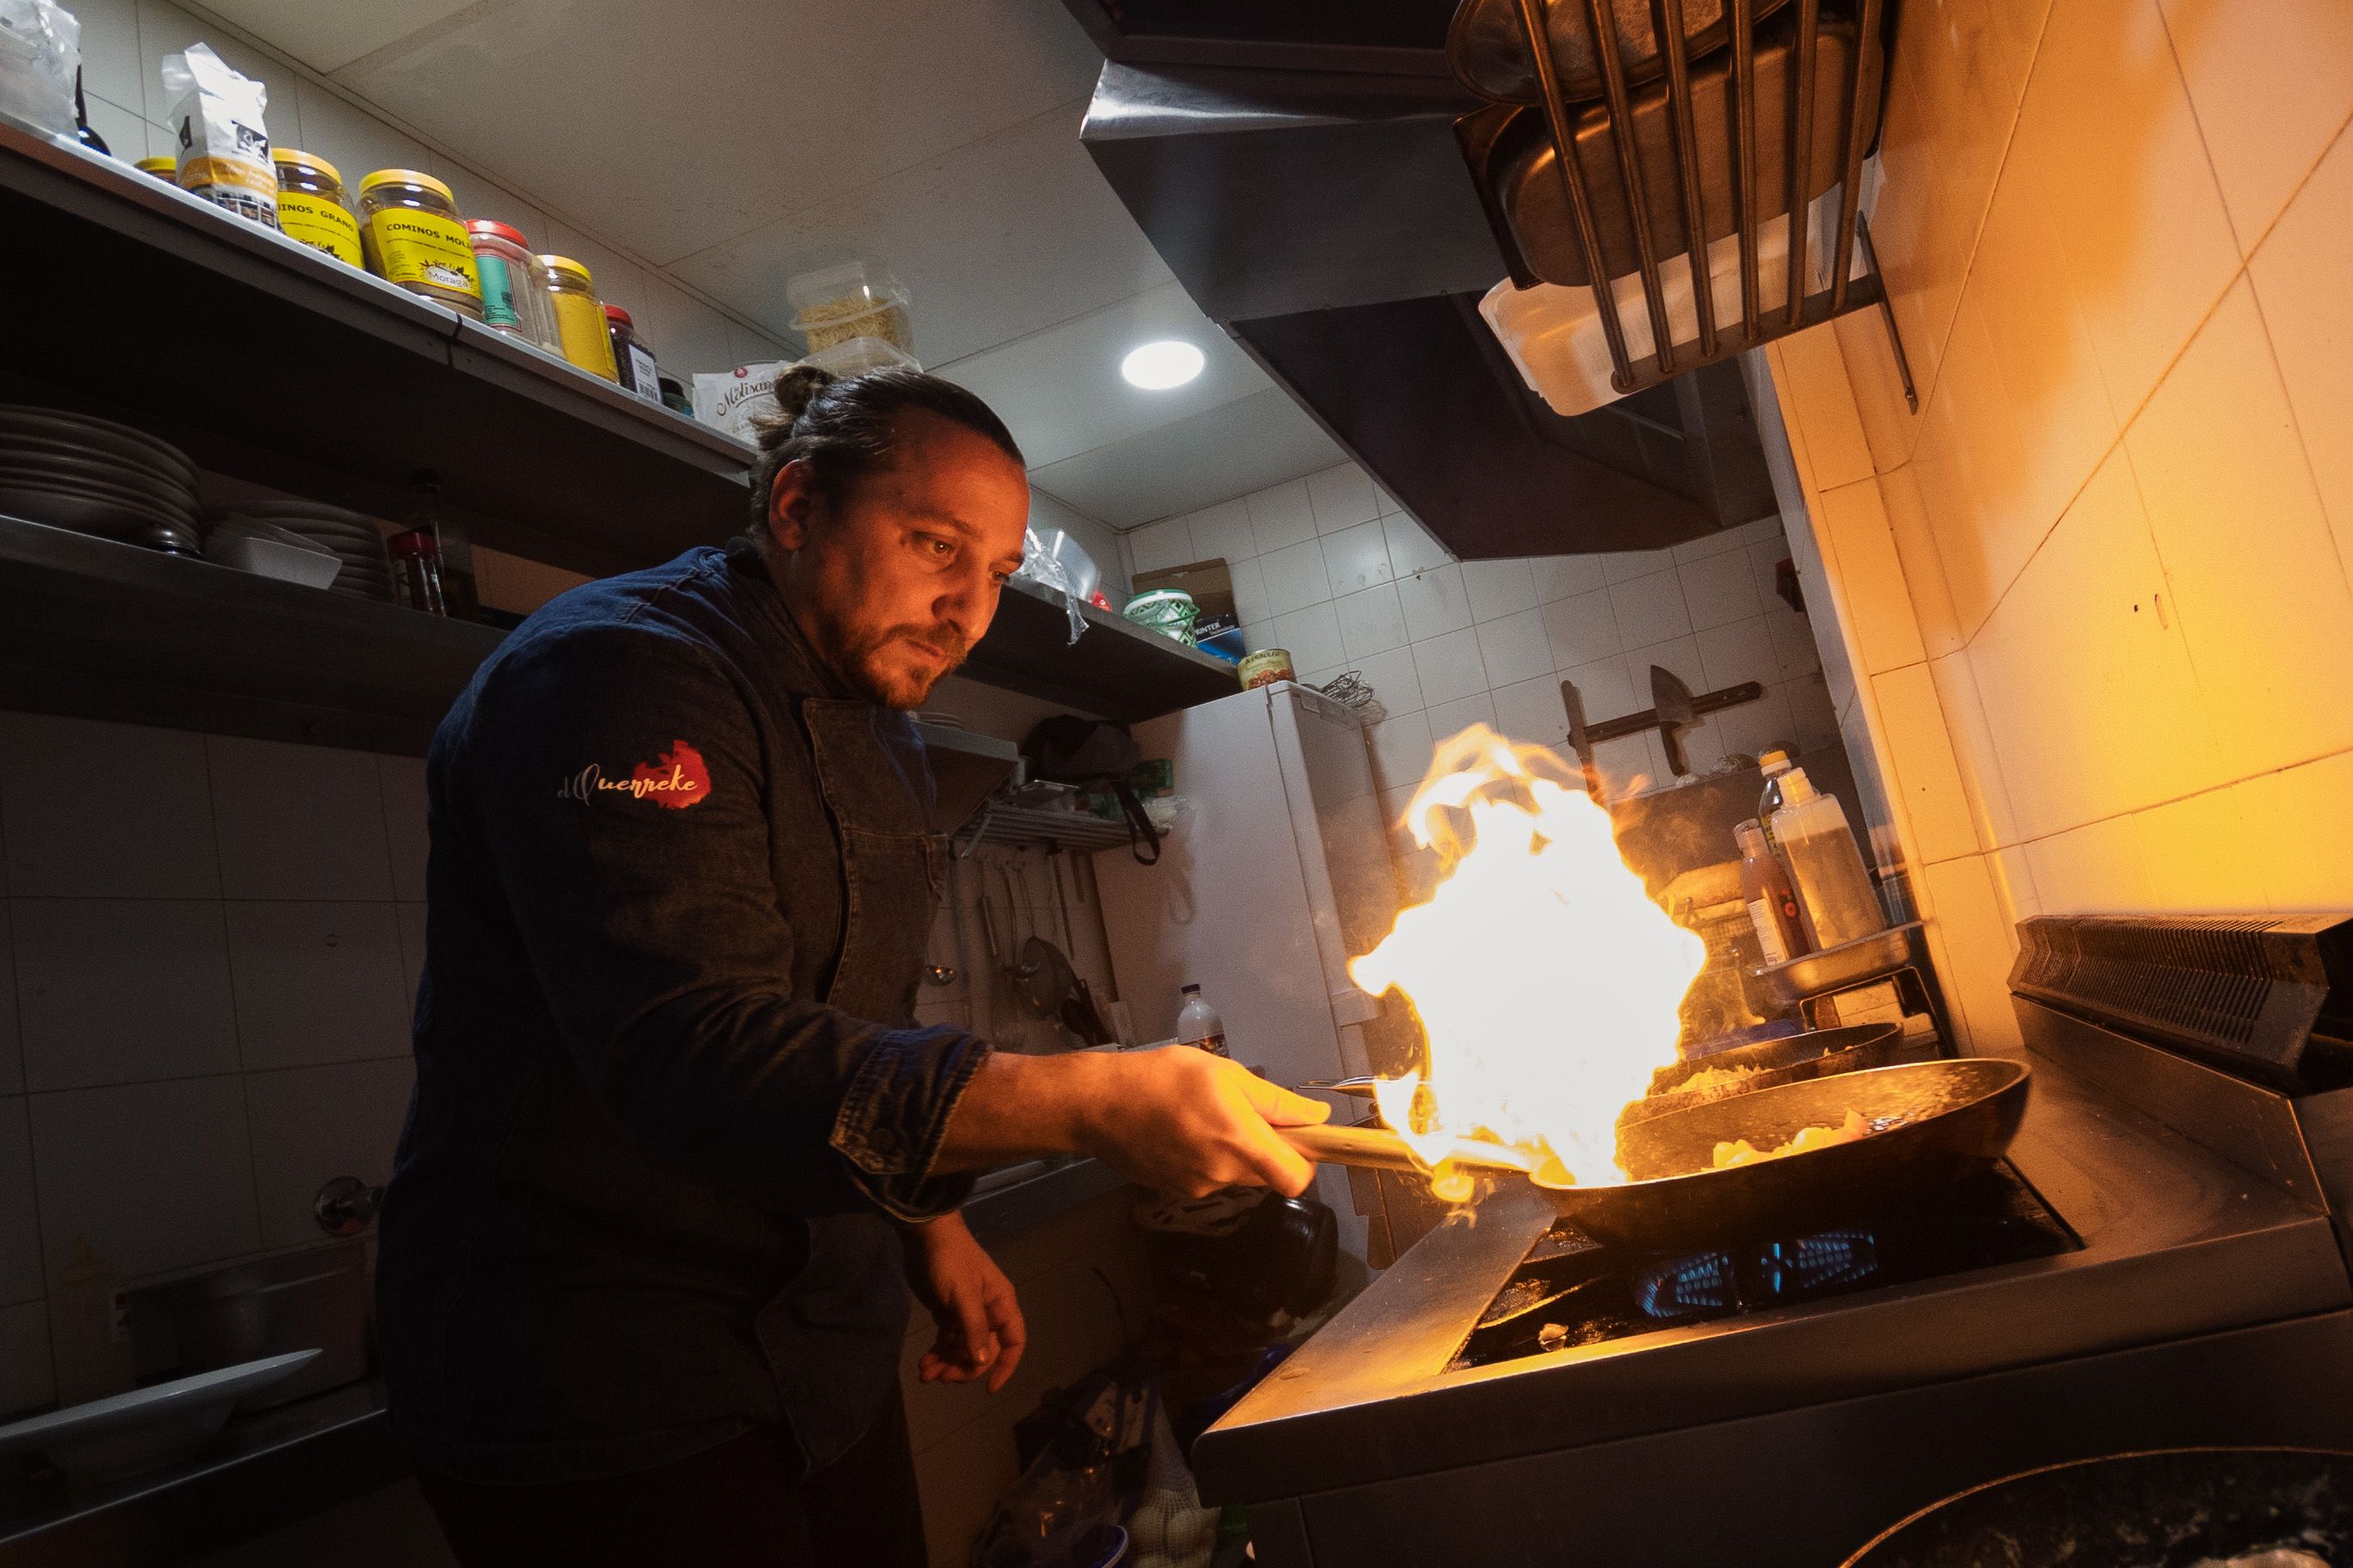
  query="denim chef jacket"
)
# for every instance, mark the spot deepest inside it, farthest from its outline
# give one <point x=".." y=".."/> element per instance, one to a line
<point x="670" y="1110"/>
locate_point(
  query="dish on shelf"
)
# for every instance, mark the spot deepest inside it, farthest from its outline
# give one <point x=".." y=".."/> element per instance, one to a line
<point x="93" y="476"/>
<point x="147" y="1427"/>
<point x="351" y="537"/>
<point x="250" y="545"/>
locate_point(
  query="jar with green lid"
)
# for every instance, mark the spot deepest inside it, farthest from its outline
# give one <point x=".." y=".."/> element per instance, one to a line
<point x="412" y="234"/>
<point x="310" y="206"/>
<point x="579" y="315"/>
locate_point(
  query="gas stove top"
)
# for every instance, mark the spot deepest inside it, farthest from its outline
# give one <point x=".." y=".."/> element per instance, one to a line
<point x="1570" y="1292"/>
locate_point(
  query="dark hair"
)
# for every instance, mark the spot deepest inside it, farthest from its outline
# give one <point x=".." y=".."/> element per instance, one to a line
<point x="844" y="427"/>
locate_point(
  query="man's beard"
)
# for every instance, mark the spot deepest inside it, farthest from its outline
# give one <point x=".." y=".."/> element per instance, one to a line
<point x="853" y="657"/>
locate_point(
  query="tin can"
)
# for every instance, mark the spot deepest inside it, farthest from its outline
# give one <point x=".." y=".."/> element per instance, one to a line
<point x="1266" y="667"/>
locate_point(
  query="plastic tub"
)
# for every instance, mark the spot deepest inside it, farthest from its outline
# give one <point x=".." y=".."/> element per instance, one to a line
<point x="859" y="355"/>
<point x="852" y="300"/>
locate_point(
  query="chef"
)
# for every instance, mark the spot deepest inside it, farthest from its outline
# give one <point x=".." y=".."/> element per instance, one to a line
<point x="677" y="1154"/>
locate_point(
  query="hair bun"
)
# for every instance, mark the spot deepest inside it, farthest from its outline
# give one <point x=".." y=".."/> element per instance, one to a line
<point x="796" y="387"/>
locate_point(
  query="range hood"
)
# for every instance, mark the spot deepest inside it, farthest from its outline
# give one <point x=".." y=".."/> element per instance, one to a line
<point x="1296" y="165"/>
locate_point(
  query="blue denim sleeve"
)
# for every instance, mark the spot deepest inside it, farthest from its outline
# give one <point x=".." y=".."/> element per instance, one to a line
<point x="654" y="932"/>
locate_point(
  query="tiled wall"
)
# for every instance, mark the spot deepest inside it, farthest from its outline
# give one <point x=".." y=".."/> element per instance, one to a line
<point x="1331" y="569"/>
<point x="123" y="43"/>
<point x="2093" y="597"/>
<point x="213" y="943"/>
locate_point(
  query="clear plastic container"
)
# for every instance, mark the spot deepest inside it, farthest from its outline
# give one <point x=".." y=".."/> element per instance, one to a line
<point x="579" y="315"/>
<point x="853" y="300"/>
<point x="513" y="301"/>
<point x="1197" y="1023"/>
<point x="1773" y="764"/>
<point x="311" y="206"/>
<point x="1834" y="888"/>
<point x="413" y="237"/>
<point x="859" y="355"/>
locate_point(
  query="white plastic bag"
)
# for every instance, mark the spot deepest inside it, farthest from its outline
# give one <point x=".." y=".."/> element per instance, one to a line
<point x="1046" y="567"/>
<point x="730" y="400"/>
<point x="216" y="120"/>
<point x="40" y="54"/>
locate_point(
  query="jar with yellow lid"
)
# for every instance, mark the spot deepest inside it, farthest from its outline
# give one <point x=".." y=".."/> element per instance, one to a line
<point x="311" y="207"/>
<point x="412" y="236"/>
<point x="164" y="169"/>
<point x="579" y="315"/>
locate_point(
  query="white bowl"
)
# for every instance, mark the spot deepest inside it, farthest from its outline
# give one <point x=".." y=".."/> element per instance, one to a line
<point x="267" y="558"/>
<point x="148" y="1426"/>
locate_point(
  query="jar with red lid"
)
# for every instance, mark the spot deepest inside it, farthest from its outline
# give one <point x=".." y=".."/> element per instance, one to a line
<point x="632" y="358"/>
<point x="513" y="301"/>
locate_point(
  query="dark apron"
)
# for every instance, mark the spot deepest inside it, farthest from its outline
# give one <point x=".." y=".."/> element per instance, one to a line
<point x="832" y="1338"/>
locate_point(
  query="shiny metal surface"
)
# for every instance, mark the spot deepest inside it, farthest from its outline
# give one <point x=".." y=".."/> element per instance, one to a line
<point x="2177" y="1242"/>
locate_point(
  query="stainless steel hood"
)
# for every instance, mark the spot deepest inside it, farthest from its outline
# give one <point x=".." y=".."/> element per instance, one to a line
<point x="1321" y="212"/>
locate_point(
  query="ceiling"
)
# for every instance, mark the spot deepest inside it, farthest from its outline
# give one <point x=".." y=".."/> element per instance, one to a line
<point x="729" y="145"/>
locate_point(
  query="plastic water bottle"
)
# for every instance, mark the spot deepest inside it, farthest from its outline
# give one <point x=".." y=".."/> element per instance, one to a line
<point x="1197" y="1023"/>
<point x="1833" y="886"/>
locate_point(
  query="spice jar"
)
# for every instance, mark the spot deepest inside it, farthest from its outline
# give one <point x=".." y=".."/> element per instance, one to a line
<point x="579" y="315"/>
<point x="512" y="299"/>
<point x="417" y="572"/>
<point x="310" y="206"/>
<point x="164" y="169"/>
<point x="631" y="357"/>
<point x="410" y="231"/>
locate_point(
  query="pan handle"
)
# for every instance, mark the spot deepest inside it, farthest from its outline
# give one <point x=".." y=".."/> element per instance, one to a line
<point x="1380" y="1149"/>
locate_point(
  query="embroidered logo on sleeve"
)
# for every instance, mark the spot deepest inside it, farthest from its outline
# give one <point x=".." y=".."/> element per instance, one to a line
<point x="674" y="781"/>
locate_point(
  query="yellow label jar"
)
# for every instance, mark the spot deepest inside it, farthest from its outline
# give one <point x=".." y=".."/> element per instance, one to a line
<point x="579" y="315"/>
<point x="310" y="206"/>
<point x="410" y="231"/>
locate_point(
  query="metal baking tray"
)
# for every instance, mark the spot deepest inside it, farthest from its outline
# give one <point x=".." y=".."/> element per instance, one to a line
<point x="1835" y="968"/>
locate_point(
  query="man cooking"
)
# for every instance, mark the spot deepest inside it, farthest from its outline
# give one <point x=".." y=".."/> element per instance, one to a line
<point x="676" y="1154"/>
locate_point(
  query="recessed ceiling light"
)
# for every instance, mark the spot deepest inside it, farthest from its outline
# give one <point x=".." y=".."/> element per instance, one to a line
<point x="1157" y="367"/>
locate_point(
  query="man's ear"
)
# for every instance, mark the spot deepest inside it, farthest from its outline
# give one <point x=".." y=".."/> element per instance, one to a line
<point x="791" y="499"/>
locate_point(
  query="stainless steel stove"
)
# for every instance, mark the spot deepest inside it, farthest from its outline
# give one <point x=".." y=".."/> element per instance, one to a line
<point x="2163" y="1261"/>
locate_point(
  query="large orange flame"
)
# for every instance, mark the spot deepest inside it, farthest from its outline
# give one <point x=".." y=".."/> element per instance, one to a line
<point x="1546" y="981"/>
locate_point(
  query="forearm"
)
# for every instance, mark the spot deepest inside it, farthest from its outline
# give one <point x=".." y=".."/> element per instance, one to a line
<point x="1026" y="1108"/>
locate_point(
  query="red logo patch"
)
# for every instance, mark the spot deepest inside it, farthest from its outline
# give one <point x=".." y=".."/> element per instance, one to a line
<point x="675" y="780"/>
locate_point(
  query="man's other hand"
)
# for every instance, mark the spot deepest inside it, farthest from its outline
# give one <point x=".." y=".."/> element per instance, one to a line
<point x="981" y="1333"/>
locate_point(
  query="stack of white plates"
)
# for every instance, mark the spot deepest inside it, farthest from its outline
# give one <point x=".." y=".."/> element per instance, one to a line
<point x="351" y="537"/>
<point x="92" y="475"/>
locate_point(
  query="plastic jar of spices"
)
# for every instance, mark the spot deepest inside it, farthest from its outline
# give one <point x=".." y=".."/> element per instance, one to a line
<point x="311" y="207"/>
<point x="579" y="315"/>
<point x="411" y="233"/>
<point x="512" y="299"/>
<point x="164" y="169"/>
<point x="631" y="357"/>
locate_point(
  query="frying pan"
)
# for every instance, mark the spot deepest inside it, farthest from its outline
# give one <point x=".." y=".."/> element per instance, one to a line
<point x="1944" y="1119"/>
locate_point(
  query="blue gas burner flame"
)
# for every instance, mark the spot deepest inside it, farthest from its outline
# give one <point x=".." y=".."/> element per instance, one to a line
<point x="1703" y="1284"/>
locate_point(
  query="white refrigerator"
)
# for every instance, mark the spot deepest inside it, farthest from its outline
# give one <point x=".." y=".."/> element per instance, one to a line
<point x="1276" y="874"/>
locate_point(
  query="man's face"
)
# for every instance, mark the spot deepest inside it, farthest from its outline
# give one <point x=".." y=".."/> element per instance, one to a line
<point x="896" y="578"/>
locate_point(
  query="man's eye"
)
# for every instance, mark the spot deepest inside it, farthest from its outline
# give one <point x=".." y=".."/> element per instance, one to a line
<point x="938" y="546"/>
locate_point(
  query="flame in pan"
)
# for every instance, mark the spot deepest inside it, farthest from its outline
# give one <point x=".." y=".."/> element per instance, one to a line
<point x="1546" y="982"/>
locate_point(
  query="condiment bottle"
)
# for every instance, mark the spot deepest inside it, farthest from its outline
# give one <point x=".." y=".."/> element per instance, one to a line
<point x="1197" y="1023"/>
<point x="90" y="1329"/>
<point x="310" y="206"/>
<point x="417" y="572"/>
<point x="512" y="299"/>
<point x="1835" y="890"/>
<point x="579" y="315"/>
<point x="411" y="234"/>
<point x="631" y="358"/>
<point x="1772" y="764"/>
<point x="1772" y="902"/>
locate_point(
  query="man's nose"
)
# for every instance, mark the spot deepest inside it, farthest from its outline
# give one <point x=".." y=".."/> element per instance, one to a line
<point x="965" y="602"/>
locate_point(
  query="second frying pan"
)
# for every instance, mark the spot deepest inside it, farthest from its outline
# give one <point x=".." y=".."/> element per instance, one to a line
<point x="1942" y="1121"/>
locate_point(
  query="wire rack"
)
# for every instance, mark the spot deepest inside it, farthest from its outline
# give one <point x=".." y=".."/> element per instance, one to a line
<point x="1032" y="827"/>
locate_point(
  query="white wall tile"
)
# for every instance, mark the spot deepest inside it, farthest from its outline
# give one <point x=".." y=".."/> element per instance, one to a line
<point x="687" y="335"/>
<point x="1794" y="650"/>
<point x="123" y="130"/>
<point x="1342" y="497"/>
<point x="1679" y="657"/>
<point x="22" y="1275"/>
<point x="1719" y="589"/>
<point x="118" y="990"/>
<point x="1393" y="680"/>
<point x="749" y="345"/>
<point x="1743" y="650"/>
<point x="1157" y="546"/>
<point x="1960" y="897"/>
<point x="1295" y="577"/>
<point x="1312" y="636"/>
<point x="309" y="1125"/>
<point x="2299" y="278"/>
<point x="403" y="783"/>
<point x="1530" y="712"/>
<point x="1498" y="588"/>
<point x="1566" y="576"/>
<point x="105" y="811"/>
<point x="1411" y="548"/>
<point x="1371" y="622"/>
<point x="1434" y="602"/>
<point x="28" y="1375"/>
<point x="2272" y="85"/>
<point x="1884" y="633"/>
<point x="158" y="1176"/>
<point x="298" y="822"/>
<point x="1249" y="592"/>
<point x="1282" y="516"/>
<point x="1926" y="778"/>
<point x="1755" y="726"/>
<point x="2302" y="871"/>
<point x="1223" y="531"/>
<point x="317" y="982"/>
<point x="1763" y="564"/>
<point x="1624" y="566"/>
<point x="110" y="53"/>
<point x="1449" y="665"/>
<point x="1813" y="721"/>
<point x="1581" y="629"/>
<point x="1607" y="689"/>
<point x="1401" y="750"/>
<point x="1650" y="609"/>
<point x="355" y="142"/>
<point x="1356" y="557"/>
<point x="1448" y="719"/>
<point x="1514" y="648"/>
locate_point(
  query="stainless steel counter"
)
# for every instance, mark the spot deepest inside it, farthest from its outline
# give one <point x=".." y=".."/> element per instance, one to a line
<point x="2177" y="1243"/>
